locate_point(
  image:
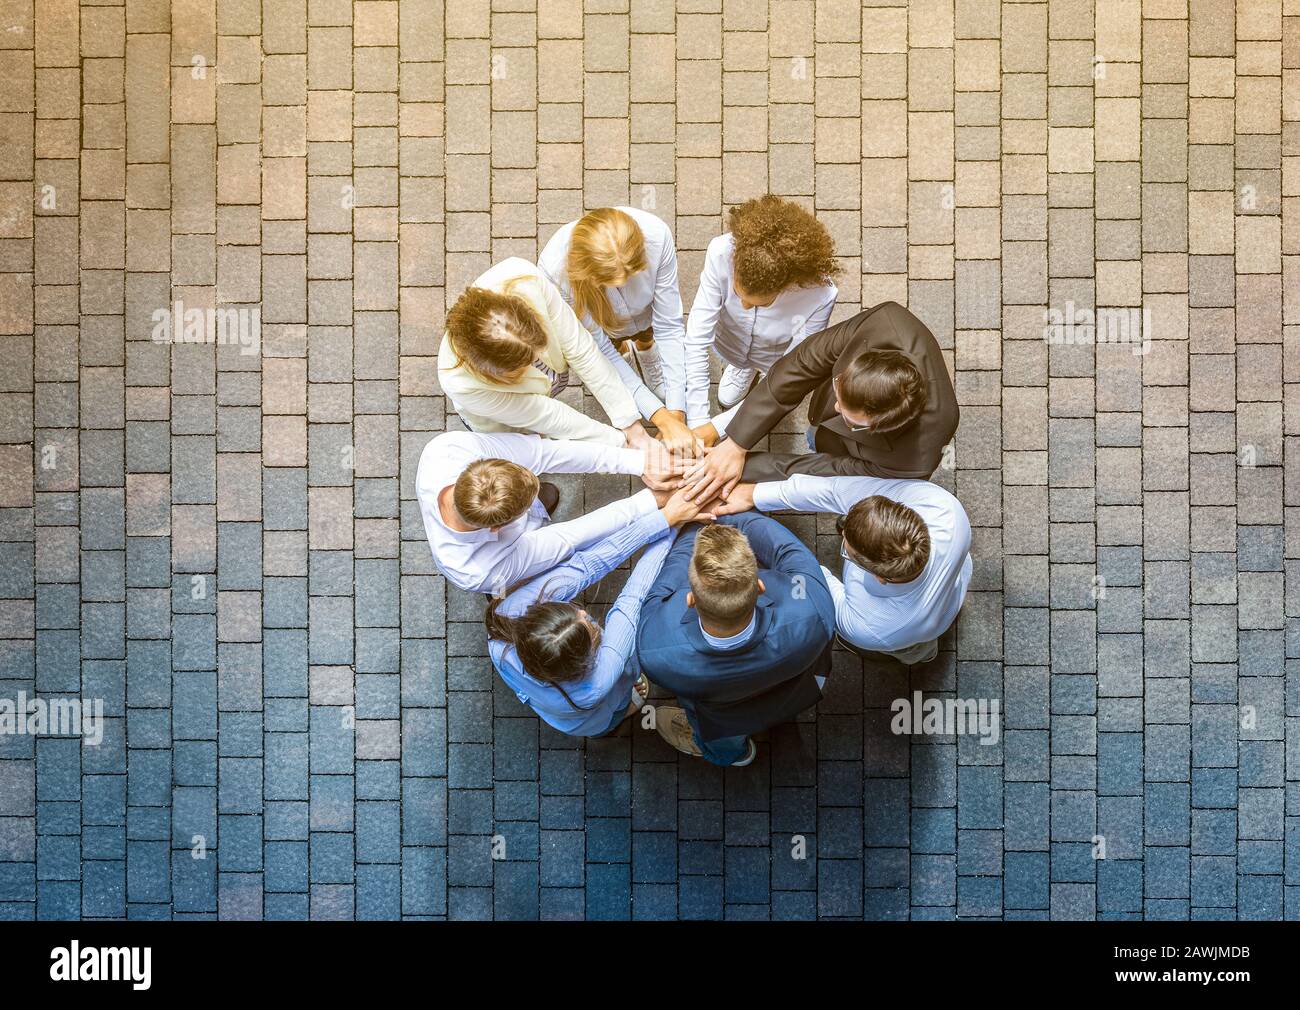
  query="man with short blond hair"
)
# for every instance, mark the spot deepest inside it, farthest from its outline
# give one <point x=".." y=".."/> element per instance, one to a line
<point x="488" y="517"/>
<point x="724" y="580"/>
<point x="739" y="626"/>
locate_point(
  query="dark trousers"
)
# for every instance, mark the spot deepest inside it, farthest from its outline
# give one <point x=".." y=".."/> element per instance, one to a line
<point x="830" y="459"/>
<point x="725" y="750"/>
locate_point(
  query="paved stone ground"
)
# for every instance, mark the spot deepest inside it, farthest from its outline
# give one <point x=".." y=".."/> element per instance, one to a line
<point x="224" y="546"/>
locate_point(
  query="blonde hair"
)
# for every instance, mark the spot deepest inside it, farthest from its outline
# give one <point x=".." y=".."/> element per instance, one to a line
<point x="492" y="492"/>
<point x="495" y="334"/>
<point x="724" y="575"/>
<point x="605" y="249"/>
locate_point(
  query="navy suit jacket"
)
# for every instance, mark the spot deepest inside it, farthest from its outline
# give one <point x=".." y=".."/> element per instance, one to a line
<point x="771" y="677"/>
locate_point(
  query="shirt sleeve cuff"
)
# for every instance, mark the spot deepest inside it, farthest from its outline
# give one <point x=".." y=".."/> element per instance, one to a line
<point x="722" y="420"/>
<point x="646" y="402"/>
<point x="652" y="522"/>
<point x="631" y="461"/>
<point x="643" y="503"/>
<point x="767" y="497"/>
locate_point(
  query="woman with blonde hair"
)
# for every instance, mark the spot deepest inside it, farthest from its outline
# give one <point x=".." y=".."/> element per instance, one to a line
<point x="512" y="346"/>
<point x="617" y="268"/>
<point x="766" y="285"/>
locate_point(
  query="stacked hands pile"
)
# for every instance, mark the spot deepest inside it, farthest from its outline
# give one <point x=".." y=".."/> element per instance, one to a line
<point x="725" y="608"/>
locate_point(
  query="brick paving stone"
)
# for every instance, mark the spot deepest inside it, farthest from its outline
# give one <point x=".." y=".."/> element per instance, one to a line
<point x="225" y="547"/>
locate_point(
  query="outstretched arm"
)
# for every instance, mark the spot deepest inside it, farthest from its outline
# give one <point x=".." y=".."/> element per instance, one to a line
<point x="540" y="550"/>
<point x="587" y="566"/>
<point x="545" y="455"/>
<point x="533" y="412"/>
<point x="585" y="358"/>
<point x="792" y="378"/>
<point x="619" y="639"/>
<point x="670" y="333"/>
<point x="700" y="327"/>
<point x="804" y="493"/>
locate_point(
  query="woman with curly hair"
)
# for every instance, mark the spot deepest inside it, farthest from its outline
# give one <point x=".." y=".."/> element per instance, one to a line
<point x="766" y="284"/>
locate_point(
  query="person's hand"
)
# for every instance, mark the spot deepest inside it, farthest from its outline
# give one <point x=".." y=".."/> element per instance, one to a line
<point x="636" y="436"/>
<point x="675" y="435"/>
<point x="663" y="469"/>
<point x="706" y="433"/>
<point x="717" y="473"/>
<point x="741" y="499"/>
<point x="680" y="509"/>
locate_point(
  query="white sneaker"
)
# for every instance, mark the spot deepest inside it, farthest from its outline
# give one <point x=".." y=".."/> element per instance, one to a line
<point x="652" y="368"/>
<point x="748" y="759"/>
<point x="734" y="385"/>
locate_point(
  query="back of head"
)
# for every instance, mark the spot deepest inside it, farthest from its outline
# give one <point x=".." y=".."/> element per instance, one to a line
<point x="497" y="335"/>
<point x="552" y="641"/>
<point x="492" y="492"/>
<point x="884" y="385"/>
<point x="778" y="245"/>
<point x="890" y="537"/>
<point x="724" y="576"/>
<point x="605" y="249"/>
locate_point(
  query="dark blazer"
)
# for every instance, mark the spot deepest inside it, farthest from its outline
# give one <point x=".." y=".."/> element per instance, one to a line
<point x="914" y="451"/>
<point x="771" y="677"/>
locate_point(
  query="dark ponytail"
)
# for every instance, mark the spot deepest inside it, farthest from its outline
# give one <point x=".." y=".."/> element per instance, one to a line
<point x="554" y="644"/>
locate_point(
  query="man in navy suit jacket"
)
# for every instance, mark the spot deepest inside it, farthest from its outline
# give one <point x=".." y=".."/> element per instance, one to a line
<point x="739" y="626"/>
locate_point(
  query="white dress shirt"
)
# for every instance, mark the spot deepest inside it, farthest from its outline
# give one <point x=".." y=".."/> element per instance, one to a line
<point x="871" y="614"/>
<point x="747" y="338"/>
<point x="528" y="403"/>
<point x="491" y="562"/>
<point x="647" y="299"/>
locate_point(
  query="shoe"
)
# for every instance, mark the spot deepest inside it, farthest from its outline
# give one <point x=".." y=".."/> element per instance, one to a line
<point x="671" y="724"/>
<point x="652" y="368"/>
<point x="749" y="755"/>
<point x="928" y="655"/>
<point x="549" y="495"/>
<point x="734" y="385"/>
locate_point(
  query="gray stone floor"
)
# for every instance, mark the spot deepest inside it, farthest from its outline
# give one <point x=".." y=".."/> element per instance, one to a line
<point x="223" y="546"/>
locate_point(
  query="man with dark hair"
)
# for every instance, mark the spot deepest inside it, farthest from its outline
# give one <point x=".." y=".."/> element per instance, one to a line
<point x="882" y="405"/>
<point x="906" y="552"/>
<point x="739" y="626"/>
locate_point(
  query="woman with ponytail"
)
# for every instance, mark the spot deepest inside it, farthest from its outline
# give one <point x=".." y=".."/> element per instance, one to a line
<point x="579" y="678"/>
<point x="617" y="268"/>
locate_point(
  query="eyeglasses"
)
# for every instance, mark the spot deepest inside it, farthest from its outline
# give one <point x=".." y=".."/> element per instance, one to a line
<point x="844" y="553"/>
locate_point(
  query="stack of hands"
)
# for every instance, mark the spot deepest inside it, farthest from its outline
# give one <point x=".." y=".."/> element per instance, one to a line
<point x="682" y="467"/>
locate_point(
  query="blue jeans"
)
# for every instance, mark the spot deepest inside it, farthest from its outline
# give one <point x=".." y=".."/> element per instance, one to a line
<point x="810" y="436"/>
<point x="726" y="750"/>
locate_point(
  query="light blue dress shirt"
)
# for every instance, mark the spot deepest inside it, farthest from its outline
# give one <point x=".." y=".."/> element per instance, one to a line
<point x="606" y="690"/>
<point x="732" y="641"/>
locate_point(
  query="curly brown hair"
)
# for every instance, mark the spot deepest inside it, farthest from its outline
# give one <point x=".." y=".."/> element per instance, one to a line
<point x="779" y="245"/>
